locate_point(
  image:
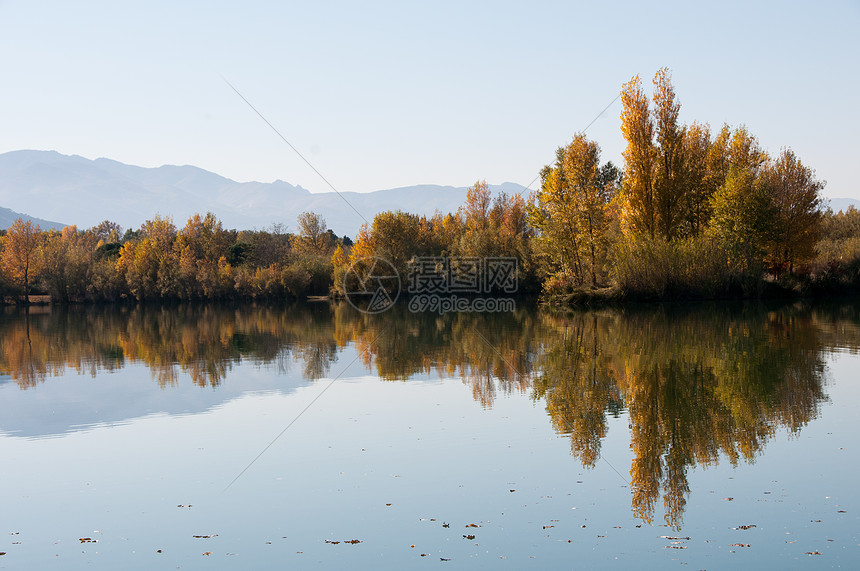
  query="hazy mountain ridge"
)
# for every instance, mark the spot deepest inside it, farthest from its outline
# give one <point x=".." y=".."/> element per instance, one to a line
<point x="80" y="191"/>
<point x="8" y="217"/>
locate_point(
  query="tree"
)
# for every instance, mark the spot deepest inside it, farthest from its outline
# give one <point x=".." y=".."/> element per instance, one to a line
<point x="637" y="126"/>
<point x="797" y="200"/>
<point x="669" y="179"/>
<point x="696" y="208"/>
<point x="743" y="218"/>
<point x="571" y="210"/>
<point x="313" y="236"/>
<point x="20" y="253"/>
<point x="66" y="261"/>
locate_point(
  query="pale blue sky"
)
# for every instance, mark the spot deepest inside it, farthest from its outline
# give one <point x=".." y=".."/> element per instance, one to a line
<point x="379" y="95"/>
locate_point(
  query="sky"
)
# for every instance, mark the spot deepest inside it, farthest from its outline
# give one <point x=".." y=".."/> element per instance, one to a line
<point x="380" y="95"/>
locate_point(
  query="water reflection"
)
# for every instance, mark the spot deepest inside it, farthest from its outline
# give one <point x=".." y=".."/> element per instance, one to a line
<point x="699" y="383"/>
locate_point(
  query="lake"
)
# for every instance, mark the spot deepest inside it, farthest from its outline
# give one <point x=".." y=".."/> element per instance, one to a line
<point x="312" y="435"/>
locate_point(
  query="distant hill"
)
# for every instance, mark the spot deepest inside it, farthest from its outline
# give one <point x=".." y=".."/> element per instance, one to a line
<point x="837" y="204"/>
<point x="8" y="217"/>
<point x="84" y="192"/>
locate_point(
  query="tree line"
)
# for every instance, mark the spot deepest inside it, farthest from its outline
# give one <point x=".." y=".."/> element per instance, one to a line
<point x="201" y="260"/>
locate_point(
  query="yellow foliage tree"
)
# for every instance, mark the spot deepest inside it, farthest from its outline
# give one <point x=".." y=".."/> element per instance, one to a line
<point x="20" y="254"/>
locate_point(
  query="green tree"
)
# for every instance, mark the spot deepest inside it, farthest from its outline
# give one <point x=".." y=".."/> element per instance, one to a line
<point x="743" y="218"/>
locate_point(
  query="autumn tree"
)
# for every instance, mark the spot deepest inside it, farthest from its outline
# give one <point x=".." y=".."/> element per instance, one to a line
<point x="20" y="254"/>
<point x="313" y="236"/>
<point x="669" y="180"/>
<point x="696" y="210"/>
<point x="797" y="201"/>
<point x="201" y="249"/>
<point x="637" y="126"/>
<point x="571" y="211"/>
<point x="396" y="238"/>
<point x="476" y="238"/>
<point x="148" y="264"/>
<point x="66" y="263"/>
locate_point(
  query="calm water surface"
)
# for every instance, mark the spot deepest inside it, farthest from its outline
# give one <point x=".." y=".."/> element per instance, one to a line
<point x="705" y="436"/>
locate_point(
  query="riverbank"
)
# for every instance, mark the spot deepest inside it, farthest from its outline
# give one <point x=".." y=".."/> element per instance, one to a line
<point x="835" y="281"/>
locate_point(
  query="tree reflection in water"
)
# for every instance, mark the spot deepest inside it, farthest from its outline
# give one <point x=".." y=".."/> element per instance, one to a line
<point x="698" y="382"/>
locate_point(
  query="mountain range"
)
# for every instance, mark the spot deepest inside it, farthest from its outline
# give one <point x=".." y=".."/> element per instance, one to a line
<point x="75" y="190"/>
<point x="70" y="189"/>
